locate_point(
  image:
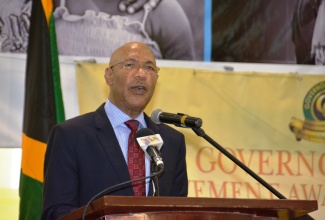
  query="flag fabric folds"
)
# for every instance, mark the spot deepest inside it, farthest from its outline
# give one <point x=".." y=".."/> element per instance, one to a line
<point x="43" y="106"/>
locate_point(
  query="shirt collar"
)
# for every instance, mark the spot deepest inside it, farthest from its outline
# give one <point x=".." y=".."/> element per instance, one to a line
<point x="117" y="117"/>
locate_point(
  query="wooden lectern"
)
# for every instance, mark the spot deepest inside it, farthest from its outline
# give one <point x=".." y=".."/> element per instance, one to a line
<point x="182" y="208"/>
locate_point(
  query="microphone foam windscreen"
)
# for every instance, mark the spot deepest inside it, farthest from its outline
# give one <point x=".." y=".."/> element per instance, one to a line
<point x="155" y="116"/>
<point x="144" y="132"/>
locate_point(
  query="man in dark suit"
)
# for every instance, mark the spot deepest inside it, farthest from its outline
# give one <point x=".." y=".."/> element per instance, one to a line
<point x="88" y="154"/>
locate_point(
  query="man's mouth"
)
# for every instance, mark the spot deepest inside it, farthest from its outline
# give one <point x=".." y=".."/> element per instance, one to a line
<point x="140" y="89"/>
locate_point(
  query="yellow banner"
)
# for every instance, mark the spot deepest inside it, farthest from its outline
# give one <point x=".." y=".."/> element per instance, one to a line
<point x="258" y="117"/>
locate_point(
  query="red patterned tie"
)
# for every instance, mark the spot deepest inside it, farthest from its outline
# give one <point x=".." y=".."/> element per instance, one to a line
<point x="136" y="162"/>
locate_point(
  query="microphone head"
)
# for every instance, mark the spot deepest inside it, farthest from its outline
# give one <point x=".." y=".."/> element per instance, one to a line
<point x="144" y="132"/>
<point x="155" y="116"/>
<point x="146" y="137"/>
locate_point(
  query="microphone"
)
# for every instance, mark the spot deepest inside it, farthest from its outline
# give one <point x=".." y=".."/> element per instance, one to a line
<point x="150" y="143"/>
<point x="179" y="119"/>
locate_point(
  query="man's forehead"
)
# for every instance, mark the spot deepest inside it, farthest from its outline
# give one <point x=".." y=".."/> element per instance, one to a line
<point x="143" y="56"/>
<point x="148" y="61"/>
<point x="134" y="51"/>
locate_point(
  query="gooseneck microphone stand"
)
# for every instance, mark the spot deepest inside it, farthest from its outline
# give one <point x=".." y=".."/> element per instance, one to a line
<point x="155" y="169"/>
<point x="200" y="132"/>
<point x="152" y="175"/>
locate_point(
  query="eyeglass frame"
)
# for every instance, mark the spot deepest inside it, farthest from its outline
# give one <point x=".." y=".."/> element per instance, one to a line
<point x="138" y="65"/>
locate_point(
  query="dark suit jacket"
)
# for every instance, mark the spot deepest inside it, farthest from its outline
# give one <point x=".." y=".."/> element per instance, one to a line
<point x="83" y="157"/>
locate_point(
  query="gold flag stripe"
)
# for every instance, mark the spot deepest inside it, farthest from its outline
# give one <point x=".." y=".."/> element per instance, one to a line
<point x="33" y="157"/>
<point x="47" y="7"/>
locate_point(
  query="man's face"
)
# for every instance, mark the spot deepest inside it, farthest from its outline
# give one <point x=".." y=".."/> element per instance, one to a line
<point x="131" y="88"/>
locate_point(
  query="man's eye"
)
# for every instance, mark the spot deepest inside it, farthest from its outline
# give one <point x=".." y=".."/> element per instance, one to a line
<point x="129" y="65"/>
<point x="150" y="68"/>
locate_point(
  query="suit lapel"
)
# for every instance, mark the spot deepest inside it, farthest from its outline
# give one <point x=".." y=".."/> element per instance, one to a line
<point x="111" y="147"/>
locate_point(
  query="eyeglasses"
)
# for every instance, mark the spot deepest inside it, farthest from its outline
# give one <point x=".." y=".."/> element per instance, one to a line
<point x="132" y="65"/>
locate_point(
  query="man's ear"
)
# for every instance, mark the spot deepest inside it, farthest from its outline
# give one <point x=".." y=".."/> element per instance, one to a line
<point x="108" y="76"/>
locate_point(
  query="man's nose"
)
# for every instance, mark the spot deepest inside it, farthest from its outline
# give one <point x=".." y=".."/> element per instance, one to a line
<point x="141" y="71"/>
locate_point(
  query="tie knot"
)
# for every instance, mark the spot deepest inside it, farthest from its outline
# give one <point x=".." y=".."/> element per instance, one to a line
<point x="132" y="124"/>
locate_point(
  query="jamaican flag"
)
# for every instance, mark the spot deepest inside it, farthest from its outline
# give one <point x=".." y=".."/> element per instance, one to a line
<point x="43" y="106"/>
